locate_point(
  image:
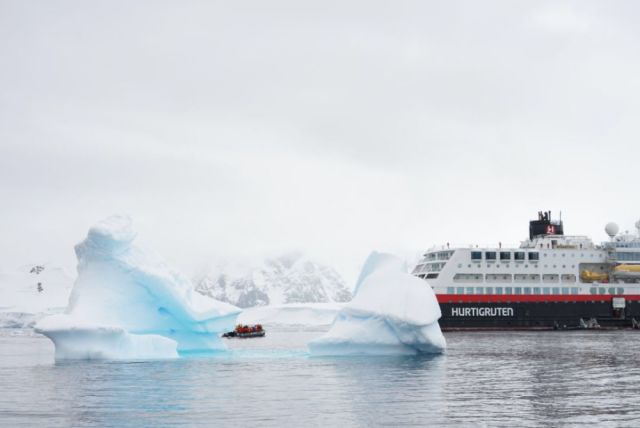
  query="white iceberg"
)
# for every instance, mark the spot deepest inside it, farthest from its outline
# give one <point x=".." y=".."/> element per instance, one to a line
<point x="391" y="313"/>
<point x="127" y="303"/>
<point x="375" y="261"/>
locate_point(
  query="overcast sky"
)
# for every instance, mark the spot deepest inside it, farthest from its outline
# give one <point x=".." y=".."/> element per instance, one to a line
<point x="243" y="128"/>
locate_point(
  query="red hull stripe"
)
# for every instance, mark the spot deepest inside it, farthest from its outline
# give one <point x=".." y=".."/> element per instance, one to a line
<point x="511" y="298"/>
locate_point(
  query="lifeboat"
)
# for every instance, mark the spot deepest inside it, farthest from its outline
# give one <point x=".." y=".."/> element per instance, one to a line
<point x="627" y="271"/>
<point x="246" y="331"/>
<point x="627" y="268"/>
<point x="591" y="276"/>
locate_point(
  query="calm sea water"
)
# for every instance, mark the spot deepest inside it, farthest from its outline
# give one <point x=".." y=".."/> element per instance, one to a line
<point x="484" y="379"/>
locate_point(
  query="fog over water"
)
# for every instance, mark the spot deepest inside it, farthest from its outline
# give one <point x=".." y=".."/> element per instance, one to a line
<point x="240" y="129"/>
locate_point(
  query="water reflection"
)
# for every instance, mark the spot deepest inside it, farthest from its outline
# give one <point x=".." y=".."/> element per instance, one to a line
<point x="391" y="390"/>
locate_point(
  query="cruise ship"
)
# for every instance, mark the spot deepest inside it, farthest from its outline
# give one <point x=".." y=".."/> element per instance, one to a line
<point x="552" y="281"/>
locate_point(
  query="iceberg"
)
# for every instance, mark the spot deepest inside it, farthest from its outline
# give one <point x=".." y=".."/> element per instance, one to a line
<point x="374" y="261"/>
<point x="392" y="313"/>
<point x="127" y="303"/>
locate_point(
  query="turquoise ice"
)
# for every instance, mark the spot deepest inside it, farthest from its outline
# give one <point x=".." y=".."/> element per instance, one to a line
<point x="128" y="303"/>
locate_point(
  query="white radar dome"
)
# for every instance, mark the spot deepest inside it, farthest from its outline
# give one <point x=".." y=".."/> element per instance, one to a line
<point x="611" y="229"/>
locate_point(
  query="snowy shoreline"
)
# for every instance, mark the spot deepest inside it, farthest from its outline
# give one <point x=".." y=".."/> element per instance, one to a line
<point x="292" y="314"/>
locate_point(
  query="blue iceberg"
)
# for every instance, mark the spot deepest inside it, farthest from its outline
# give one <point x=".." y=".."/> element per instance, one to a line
<point x="392" y="313"/>
<point x="128" y="304"/>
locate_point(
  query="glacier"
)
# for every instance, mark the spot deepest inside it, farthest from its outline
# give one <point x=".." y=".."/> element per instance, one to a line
<point x="127" y="303"/>
<point x="392" y="313"/>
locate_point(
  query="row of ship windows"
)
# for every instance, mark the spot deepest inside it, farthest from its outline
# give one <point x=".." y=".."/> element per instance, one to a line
<point x="504" y="277"/>
<point x="633" y="257"/>
<point x="626" y="244"/>
<point x="522" y="255"/>
<point x="504" y="255"/>
<point x="437" y="267"/>
<point x="531" y="290"/>
<point x="441" y="255"/>
<point x="518" y="255"/>
<point x="517" y="266"/>
<point x="429" y="267"/>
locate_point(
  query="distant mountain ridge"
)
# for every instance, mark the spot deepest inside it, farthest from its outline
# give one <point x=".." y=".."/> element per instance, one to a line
<point x="291" y="278"/>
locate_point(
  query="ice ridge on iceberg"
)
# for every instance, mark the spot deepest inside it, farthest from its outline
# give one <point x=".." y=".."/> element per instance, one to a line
<point x="128" y="303"/>
<point x="377" y="261"/>
<point x="392" y="312"/>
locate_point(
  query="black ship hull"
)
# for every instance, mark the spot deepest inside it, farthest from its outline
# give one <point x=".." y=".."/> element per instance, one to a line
<point x="537" y="312"/>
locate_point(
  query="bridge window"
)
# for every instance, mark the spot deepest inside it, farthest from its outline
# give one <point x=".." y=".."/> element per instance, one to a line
<point x="476" y="255"/>
<point x="490" y="255"/>
<point x="534" y="256"/>
<point x="505" y="255"/>
<point x="518" y="255"/>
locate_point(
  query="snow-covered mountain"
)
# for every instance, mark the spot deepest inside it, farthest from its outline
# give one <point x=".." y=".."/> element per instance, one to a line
<point x="291" y="278"/>
<point x="32" y="291"/>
